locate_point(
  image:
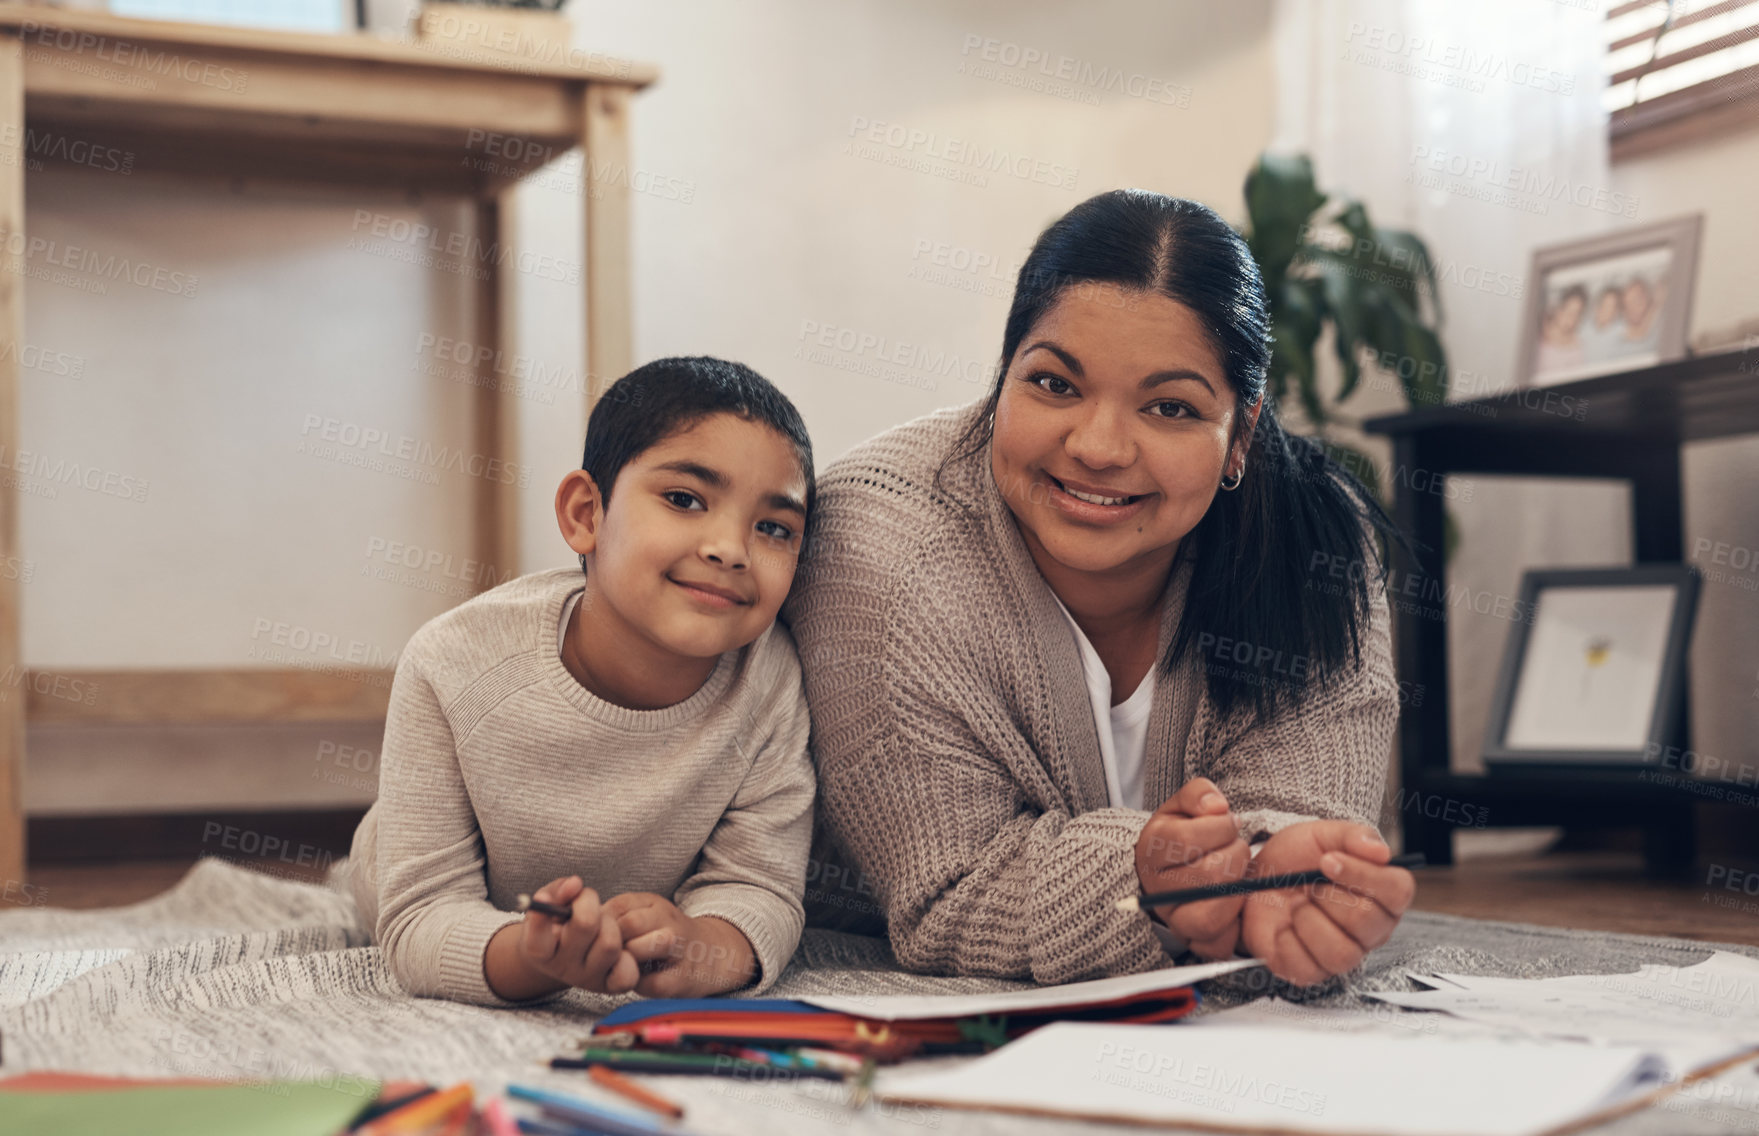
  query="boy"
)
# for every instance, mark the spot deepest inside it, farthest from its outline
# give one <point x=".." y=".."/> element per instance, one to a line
<point x="641" y="731"/>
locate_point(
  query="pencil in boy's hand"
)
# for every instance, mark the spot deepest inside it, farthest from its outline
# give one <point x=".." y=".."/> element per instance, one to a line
<point x="553" y="910"/>
<point x="1241" y="887"/>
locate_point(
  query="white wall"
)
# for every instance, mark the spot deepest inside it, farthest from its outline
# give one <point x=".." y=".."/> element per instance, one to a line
<point x="754" y="227"/>
<point x="1715" y="176"/>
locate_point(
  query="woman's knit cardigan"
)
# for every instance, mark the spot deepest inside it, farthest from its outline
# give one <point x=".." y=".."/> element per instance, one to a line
<point x="962" y="796"/>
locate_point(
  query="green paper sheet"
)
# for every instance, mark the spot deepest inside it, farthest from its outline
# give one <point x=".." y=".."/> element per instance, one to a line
<point x="277" y="1108"/>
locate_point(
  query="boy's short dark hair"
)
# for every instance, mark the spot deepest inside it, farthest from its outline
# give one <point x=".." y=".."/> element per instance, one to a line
<point x="662" y="398"/>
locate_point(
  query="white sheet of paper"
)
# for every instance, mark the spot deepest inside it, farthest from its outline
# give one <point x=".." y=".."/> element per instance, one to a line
<point x="1265" y="1077"/>
<point x="1716" y="1000"/>
<point x="905" y="1007"/>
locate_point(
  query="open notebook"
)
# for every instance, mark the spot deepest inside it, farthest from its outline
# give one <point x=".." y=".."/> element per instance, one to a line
<point x="1261" y="1078"/>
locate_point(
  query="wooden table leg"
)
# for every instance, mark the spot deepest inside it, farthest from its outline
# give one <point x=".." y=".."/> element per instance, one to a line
<point x="605" y="178"/>
<point x="495" y="515"/>
<point x="13" y="691"/>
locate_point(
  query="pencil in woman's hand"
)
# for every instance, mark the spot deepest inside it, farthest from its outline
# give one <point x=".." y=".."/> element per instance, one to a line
<point x="1241" y="887"/>
<point x="554" y="911"/>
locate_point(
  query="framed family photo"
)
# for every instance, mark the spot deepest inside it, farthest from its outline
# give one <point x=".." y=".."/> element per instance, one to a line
<point x="1611" y="303"/>
<point x="1594" y="673"/>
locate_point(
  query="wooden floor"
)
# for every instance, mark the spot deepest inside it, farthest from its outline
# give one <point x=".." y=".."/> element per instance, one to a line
<point x="1604" y="891"/>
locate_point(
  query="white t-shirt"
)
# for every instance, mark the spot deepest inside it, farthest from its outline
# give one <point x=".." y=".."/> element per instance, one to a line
<point x="562" y="628"/>
<point x="1122" y="729"/>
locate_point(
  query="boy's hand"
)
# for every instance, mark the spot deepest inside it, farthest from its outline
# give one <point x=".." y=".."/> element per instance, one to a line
<point x="1193" y="840"/>
<point x="1308" y="934"/>
<point x="587" y="951"/>
<point x="680" y="956"/>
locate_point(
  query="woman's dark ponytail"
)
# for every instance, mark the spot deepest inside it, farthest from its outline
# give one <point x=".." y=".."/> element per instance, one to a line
<point x="1285" y="563"/>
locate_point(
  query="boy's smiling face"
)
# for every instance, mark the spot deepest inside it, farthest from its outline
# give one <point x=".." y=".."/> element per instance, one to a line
<point x="692" y="558"/>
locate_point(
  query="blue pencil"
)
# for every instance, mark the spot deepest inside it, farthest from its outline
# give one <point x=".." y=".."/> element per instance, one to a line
<point x="579" y="1114"/>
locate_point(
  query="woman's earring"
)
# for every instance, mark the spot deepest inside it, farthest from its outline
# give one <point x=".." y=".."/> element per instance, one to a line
<point x="1233" y="483"/>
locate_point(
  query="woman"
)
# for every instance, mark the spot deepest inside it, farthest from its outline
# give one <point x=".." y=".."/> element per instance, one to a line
<point x="1108" y="630"/>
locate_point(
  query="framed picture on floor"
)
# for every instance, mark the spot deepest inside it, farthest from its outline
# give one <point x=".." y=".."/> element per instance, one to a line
<point x="1594" y="671"/>
<point x="1611" y="303"/>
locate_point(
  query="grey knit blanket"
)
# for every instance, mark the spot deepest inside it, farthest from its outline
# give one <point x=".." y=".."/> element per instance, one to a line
<point x="235" y="974"/>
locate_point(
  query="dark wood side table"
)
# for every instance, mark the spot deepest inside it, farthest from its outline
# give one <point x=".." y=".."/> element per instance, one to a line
<point x="1627" y="426"/>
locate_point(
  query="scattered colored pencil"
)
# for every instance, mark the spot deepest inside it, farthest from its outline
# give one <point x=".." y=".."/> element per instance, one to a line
<point x="387" y="1105"/>
<point x="496" y="1121"/>
<point x="584" y="1114"/>
<point x="423" y="1113"/>
<point x="609" y="1078"/>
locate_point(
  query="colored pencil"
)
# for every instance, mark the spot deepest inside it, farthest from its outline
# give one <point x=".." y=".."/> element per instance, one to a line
<point x="553" y="910"/>
<point x="662" y="1061"/>
<point x="424" y="1113"/>
<point x="609" y="1078"/>
<point x="380" y="1107"/>
<point x="496" y="1122"/>
<point x="1242" y="887"/>
<point x="585" y="1114"/>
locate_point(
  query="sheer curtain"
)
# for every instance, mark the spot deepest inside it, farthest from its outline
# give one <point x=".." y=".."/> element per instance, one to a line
<point x="1477" y="125"/>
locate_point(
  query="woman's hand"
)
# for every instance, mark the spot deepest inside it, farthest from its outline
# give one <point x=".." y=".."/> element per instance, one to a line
<point x="680" y="956"/>
<point x="1306" y="935"/>
<point x="1192" y="840"/>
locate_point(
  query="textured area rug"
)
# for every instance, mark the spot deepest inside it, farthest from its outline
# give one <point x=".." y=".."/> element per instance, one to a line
<point x="235" y="974"/>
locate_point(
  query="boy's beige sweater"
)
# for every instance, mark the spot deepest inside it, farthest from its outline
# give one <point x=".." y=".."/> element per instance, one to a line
<point x="958" y="761"/>
<point x="500" y="773"/>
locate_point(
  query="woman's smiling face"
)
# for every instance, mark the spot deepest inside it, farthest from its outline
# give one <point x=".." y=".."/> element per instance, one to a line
<point x="1114" y="427"/>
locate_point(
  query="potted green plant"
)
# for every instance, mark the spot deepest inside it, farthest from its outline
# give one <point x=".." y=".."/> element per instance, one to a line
<point x="1326" y="264"/>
